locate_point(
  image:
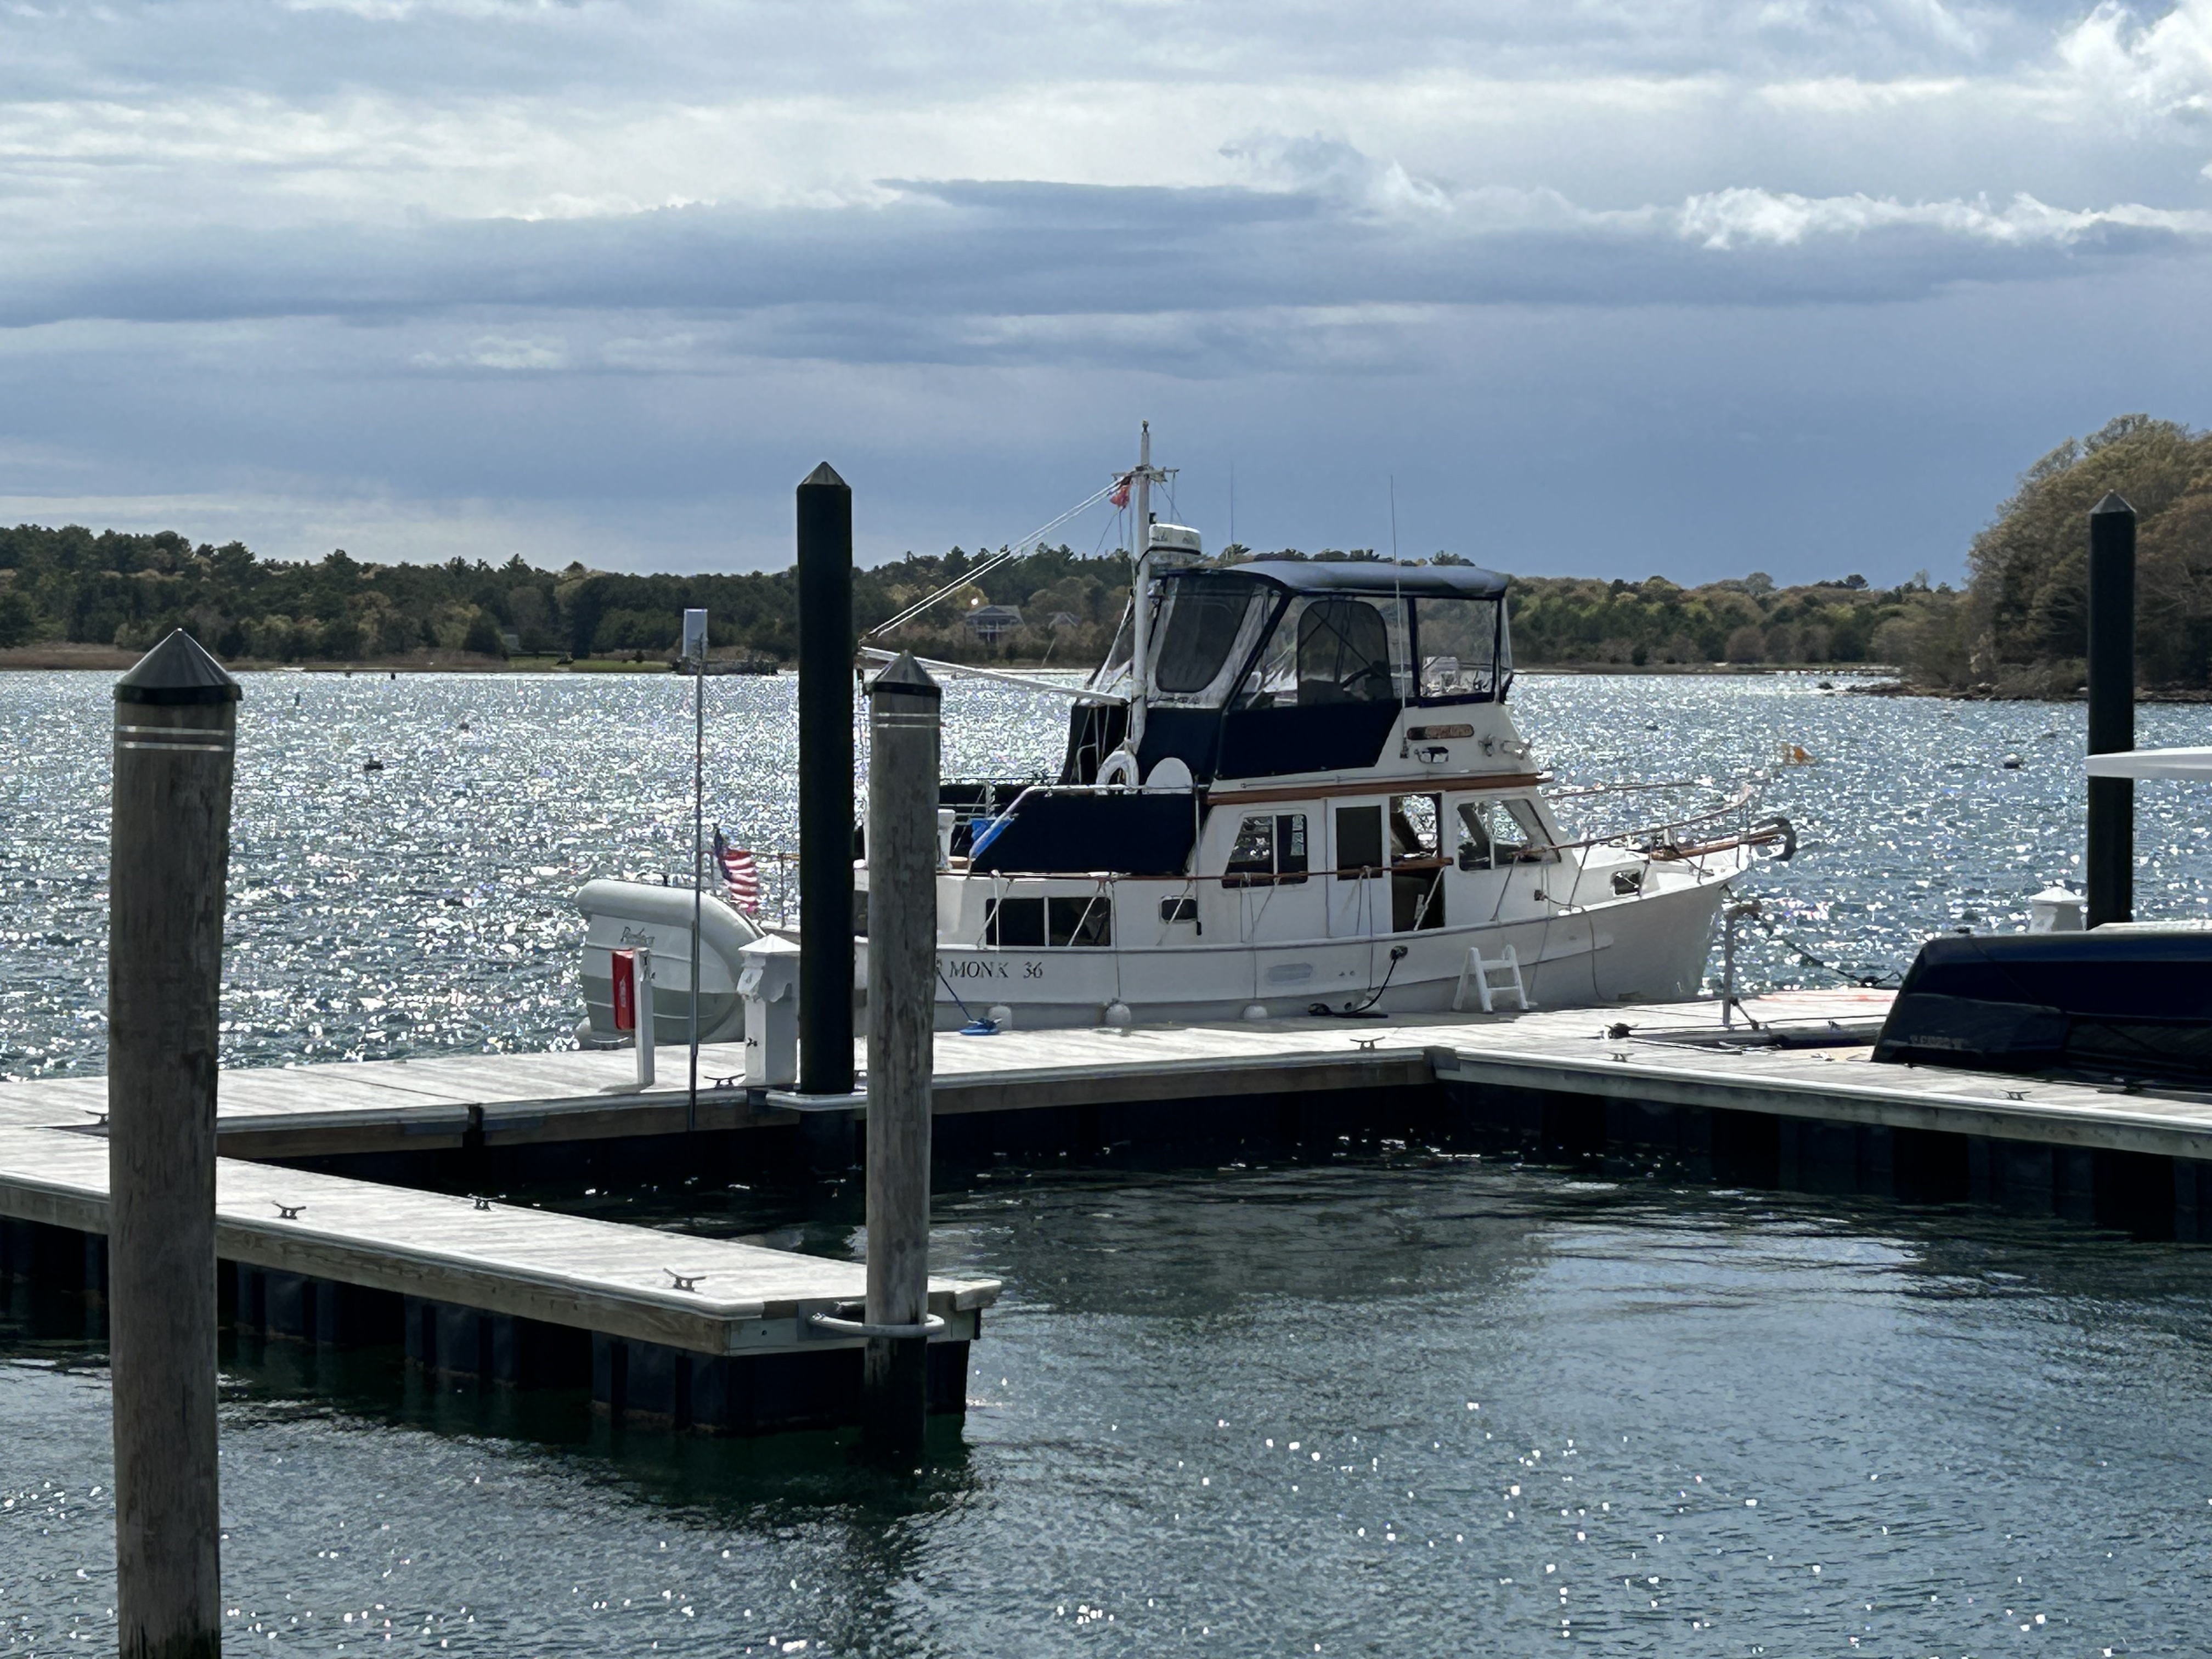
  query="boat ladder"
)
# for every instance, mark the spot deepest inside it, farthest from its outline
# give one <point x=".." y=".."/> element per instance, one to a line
<point x="1494" y="978"/>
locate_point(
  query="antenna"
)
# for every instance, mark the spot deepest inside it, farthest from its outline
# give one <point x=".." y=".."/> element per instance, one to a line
<point x="1232" y="501"/>
<point x="1394" y="516"/>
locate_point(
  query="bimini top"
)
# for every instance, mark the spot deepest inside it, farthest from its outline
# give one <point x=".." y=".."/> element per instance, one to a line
<point x="1463" y="582"/>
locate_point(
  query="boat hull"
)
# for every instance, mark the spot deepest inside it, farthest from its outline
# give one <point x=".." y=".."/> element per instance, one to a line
<point x="1645" y="949"/>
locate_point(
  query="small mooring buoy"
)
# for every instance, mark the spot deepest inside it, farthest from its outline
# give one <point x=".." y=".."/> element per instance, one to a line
<point x="2011" y="762"/>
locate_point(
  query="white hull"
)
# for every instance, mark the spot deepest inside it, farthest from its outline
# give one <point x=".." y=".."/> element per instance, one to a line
<point x="1645" y="949"/>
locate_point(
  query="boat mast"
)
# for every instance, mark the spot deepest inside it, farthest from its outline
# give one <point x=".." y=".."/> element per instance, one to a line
<point x="1140" y="596"/>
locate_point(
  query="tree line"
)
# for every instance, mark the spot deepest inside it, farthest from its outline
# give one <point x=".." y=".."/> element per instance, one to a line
<point x="2018" y="628"/>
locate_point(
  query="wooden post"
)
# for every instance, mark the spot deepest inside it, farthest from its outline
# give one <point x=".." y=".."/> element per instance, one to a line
<point x="2109" y="859"/>
<point x="176" y="717"/>
<point x="825" y="784"/>
<point x="902" y="769"/>
<point x="694" y="649"/>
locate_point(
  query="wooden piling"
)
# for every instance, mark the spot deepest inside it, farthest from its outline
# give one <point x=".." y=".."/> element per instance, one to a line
<point x="176" y="720"/>
<point x="903" y="782"/>
<point x="825" y="783"/>
<point x="2109" y="861"/>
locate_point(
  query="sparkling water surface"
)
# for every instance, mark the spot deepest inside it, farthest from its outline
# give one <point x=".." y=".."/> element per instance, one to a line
<point x="428" y="908"/>
<point x="1530" y="1408"/>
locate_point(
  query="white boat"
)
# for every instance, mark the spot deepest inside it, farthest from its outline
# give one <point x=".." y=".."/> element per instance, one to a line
<point x="1295" y="787"/>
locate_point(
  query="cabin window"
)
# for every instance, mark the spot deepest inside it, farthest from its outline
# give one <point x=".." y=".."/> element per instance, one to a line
<point x="1416" y="864"/>
<point x="1179" y="909"/>
<point x="1499" y="832"/>
<point x="1270" y="847"/>
<point x="1019" y="922"/>
<point x="1084" y="920"/>
<point x="1462" y="647"/>
<point x="1206" y="628"/>
<point x="1332" y="648"/>
<point x="1415" y="821"/>
<point x="1359" y="841"/>
<point x="1079" y="921"/>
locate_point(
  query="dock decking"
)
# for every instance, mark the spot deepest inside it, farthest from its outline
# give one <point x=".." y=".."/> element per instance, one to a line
<point x="716" y="1335"/>
<point x="598" y="1276"/>
<point x="486" y="1100"/>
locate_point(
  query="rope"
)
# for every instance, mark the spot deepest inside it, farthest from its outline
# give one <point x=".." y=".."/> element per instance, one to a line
<point x="1865" y="982"/>
<point x="985" y="567"/>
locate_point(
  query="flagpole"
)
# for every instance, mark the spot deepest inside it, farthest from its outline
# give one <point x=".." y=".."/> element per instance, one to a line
<point x="695" y="628"/>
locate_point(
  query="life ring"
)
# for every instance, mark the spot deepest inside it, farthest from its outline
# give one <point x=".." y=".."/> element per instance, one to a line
<point x="1118" y="771"/>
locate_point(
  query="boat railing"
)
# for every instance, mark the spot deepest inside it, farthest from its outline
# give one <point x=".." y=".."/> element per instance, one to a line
<point x="1665" y="837"/>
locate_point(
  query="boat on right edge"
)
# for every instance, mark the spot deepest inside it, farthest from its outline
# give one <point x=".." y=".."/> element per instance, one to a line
<point x="2132" y="997"/>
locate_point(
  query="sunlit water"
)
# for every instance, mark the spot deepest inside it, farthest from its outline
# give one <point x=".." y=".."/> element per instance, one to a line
<point x="428" y="908"/>
<point x="1737" y="1423"/>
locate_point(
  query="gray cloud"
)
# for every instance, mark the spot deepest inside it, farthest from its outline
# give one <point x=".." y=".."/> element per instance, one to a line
<point x="599" y="276"/>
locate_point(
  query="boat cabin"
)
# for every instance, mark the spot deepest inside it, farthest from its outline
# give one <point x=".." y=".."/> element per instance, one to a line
<point x="1277" y="666"/>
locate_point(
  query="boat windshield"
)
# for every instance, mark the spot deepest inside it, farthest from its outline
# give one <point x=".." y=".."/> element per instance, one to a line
<point x="1464" y="651"/>
<point x="1204" y="633"/>
<point x="1334" y="648"/>
<point x="1113" y="674"/>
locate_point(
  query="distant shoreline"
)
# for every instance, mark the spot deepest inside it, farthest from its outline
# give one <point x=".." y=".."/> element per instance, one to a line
<point x="108" y="659"/>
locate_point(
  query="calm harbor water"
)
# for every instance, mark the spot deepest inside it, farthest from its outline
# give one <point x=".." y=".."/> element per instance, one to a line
<point x="1528" y="1409"/>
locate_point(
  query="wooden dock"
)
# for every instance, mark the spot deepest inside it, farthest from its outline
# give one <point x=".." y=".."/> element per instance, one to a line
<point x="720" y="1336"/>
<point x="699" y="1333"/>
<point x="493" y="1100"/>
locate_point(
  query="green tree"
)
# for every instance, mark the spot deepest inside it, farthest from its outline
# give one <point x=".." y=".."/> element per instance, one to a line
<point x="2028" y="597"/>
<point x="19" y="618"/>
<point x="483" y="636"/>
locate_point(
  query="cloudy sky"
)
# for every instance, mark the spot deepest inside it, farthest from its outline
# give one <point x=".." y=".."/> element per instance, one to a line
<point x="1607" y="287"/>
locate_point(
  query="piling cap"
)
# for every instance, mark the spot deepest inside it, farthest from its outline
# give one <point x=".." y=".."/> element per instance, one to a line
<point x="2113" y="503"/>
<point x="823" y="477"/>
<point x="177" y="671"/>
<point x="906" y="677"/>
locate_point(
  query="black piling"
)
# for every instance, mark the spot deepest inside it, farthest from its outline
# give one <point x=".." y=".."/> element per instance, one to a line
<point x="825" y="783"/>
<point x="2110" y="860"/>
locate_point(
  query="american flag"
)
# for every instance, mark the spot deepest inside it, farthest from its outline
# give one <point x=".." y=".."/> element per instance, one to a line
<point x="740" y="877"/>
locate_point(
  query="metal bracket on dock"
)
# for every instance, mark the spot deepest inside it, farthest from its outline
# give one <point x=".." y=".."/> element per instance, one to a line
<point x="932" y="1326"/>
<point x="791" y="1100"/>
